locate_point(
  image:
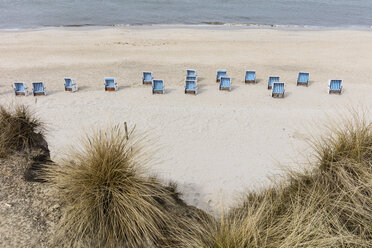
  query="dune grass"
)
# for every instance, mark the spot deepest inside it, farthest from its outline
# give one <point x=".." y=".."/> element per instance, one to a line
<point x="327" y="205"/>
<point x="107" y="200"/>
<point x="20" y="129"/>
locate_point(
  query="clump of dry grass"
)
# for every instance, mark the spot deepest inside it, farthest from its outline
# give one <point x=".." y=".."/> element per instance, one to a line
<point x="327" y="205"/>
<point x="107" y="200"/>
<point x="20" y="130"/>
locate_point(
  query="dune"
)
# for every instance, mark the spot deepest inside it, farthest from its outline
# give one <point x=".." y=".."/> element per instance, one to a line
<point x="216" y="144"/>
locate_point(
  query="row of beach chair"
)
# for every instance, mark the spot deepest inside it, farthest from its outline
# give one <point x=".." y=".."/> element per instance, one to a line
<point x="191" y="87"/>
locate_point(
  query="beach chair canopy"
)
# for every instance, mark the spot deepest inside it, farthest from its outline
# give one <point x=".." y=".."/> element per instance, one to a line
<point x="303" y="77"/>
<point x="19" y="87"/>
<point x="225" y="82"/>
<point x="221" y="73"/>
<point x="190" y="85"/>
<point x="110" y="82"/>
<point x="278" y="88"/>
<point x="250" y="75"/>
<point x="69" y="82"/>
<point x="38" y="87"/>
<point x="157" y="85"/>
<point x="272" y="80"/>
<point x="335" y="85"/>
<point x="147" y="76"/>
<point x="190" y="78"/>
<point x="190" y="73"/>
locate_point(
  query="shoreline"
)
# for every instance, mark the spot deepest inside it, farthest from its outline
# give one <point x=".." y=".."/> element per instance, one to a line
<point x="206" y="26"/>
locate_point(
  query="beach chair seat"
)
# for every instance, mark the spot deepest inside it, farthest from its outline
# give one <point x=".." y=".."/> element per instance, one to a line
<point x="220" y="73"/>
<point x="250" y="77"/>
<point x="111" y="84"/>
<point x="278" y="89"/>
<point x="71" y="84"/>
<point x="191" y="73"/>
<point x="335" y="87"/>
<point x="225" y="83"/>
<point x="271" y="81"/>
<point x="191" y="87"/>
<point x="192" y="79"/>
<point x="20" y="89"/>
<point x="38" y="88"/>
<point x="147" y="78"/>
<point x="303" y="79"/>
<point x="158" y="87"/>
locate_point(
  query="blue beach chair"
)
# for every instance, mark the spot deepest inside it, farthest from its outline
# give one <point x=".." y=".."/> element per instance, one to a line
<point x="334" y="86"/>
<point x="220" y="73"/>
<point x="158" y="86"/>
<point x="38" y="88"/>
<point x="71" y="84"/>
<point x="278" y="89"/>
<point x="111" y="84"/>
<point x="271" y="81"/>
<point x="303" y="78"/>
<point x="225" y="83"/>
<point x="20" y="89"/>
<point x="191" y="79"/>
<point x="191" y="87"/>
<point x="250" y="77"/>
<point x="190" y="73"/>
<point x="147" y="78"/>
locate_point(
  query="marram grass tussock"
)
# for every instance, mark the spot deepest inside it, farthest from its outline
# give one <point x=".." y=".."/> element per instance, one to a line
<point x="107" y="200"/>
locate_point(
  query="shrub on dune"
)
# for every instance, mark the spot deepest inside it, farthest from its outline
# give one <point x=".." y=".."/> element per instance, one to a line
<point x="107" y="200"/>
<point x="20" y="130"/>
<point x="327" y="205"/>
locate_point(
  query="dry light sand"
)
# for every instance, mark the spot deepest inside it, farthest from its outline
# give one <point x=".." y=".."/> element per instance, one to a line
<point x="216" y="144"/>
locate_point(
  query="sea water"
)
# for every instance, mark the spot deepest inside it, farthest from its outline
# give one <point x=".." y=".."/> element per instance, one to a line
<point x="18" y="14"/>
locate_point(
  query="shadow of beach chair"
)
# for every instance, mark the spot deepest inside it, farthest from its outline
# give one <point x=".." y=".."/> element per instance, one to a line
<point x="334" y="87"/>
<point x="271" y="81"/>
<point x="278" y="89"/>
<point x="158" y="87"/>
<point x="220" y="73"/>
<point x="190" y="73"/>
<point x="191" y="87"/>
<point x="38" y="88"/>
<point x="250" y="77"/>
<point x="71" y="84"/>
<point x="147" y="78"/>
<point x="20" y="89"/>
<point x="225" y="83"/>
<point x="111" y="84"/>
<point x="303" y="79"/>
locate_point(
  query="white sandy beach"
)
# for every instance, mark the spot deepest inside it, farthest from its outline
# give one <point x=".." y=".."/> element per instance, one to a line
<point x="216" y="144"/>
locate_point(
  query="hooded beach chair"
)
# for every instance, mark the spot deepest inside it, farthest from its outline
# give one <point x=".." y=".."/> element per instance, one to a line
<point x="20" y="89"/>
<point x="190" y="73"/>
<point x="191" y="87"/>
<point x="71" y="84"/>
<point x="158" y="87"/>
<point x="271" y="81"/>
<point x="220" y="73"/>
<point x="191" y="79"/>
<point x="250" y="77"/>
<point x="303" y="78"/>
<point x="38" y="88"/>
<point x="225" y="83"/>
<point x="334" y="86"/>
<point x="147" y="78"/>
<point x="278" y="89"/>
<point x="111" y="84"/>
